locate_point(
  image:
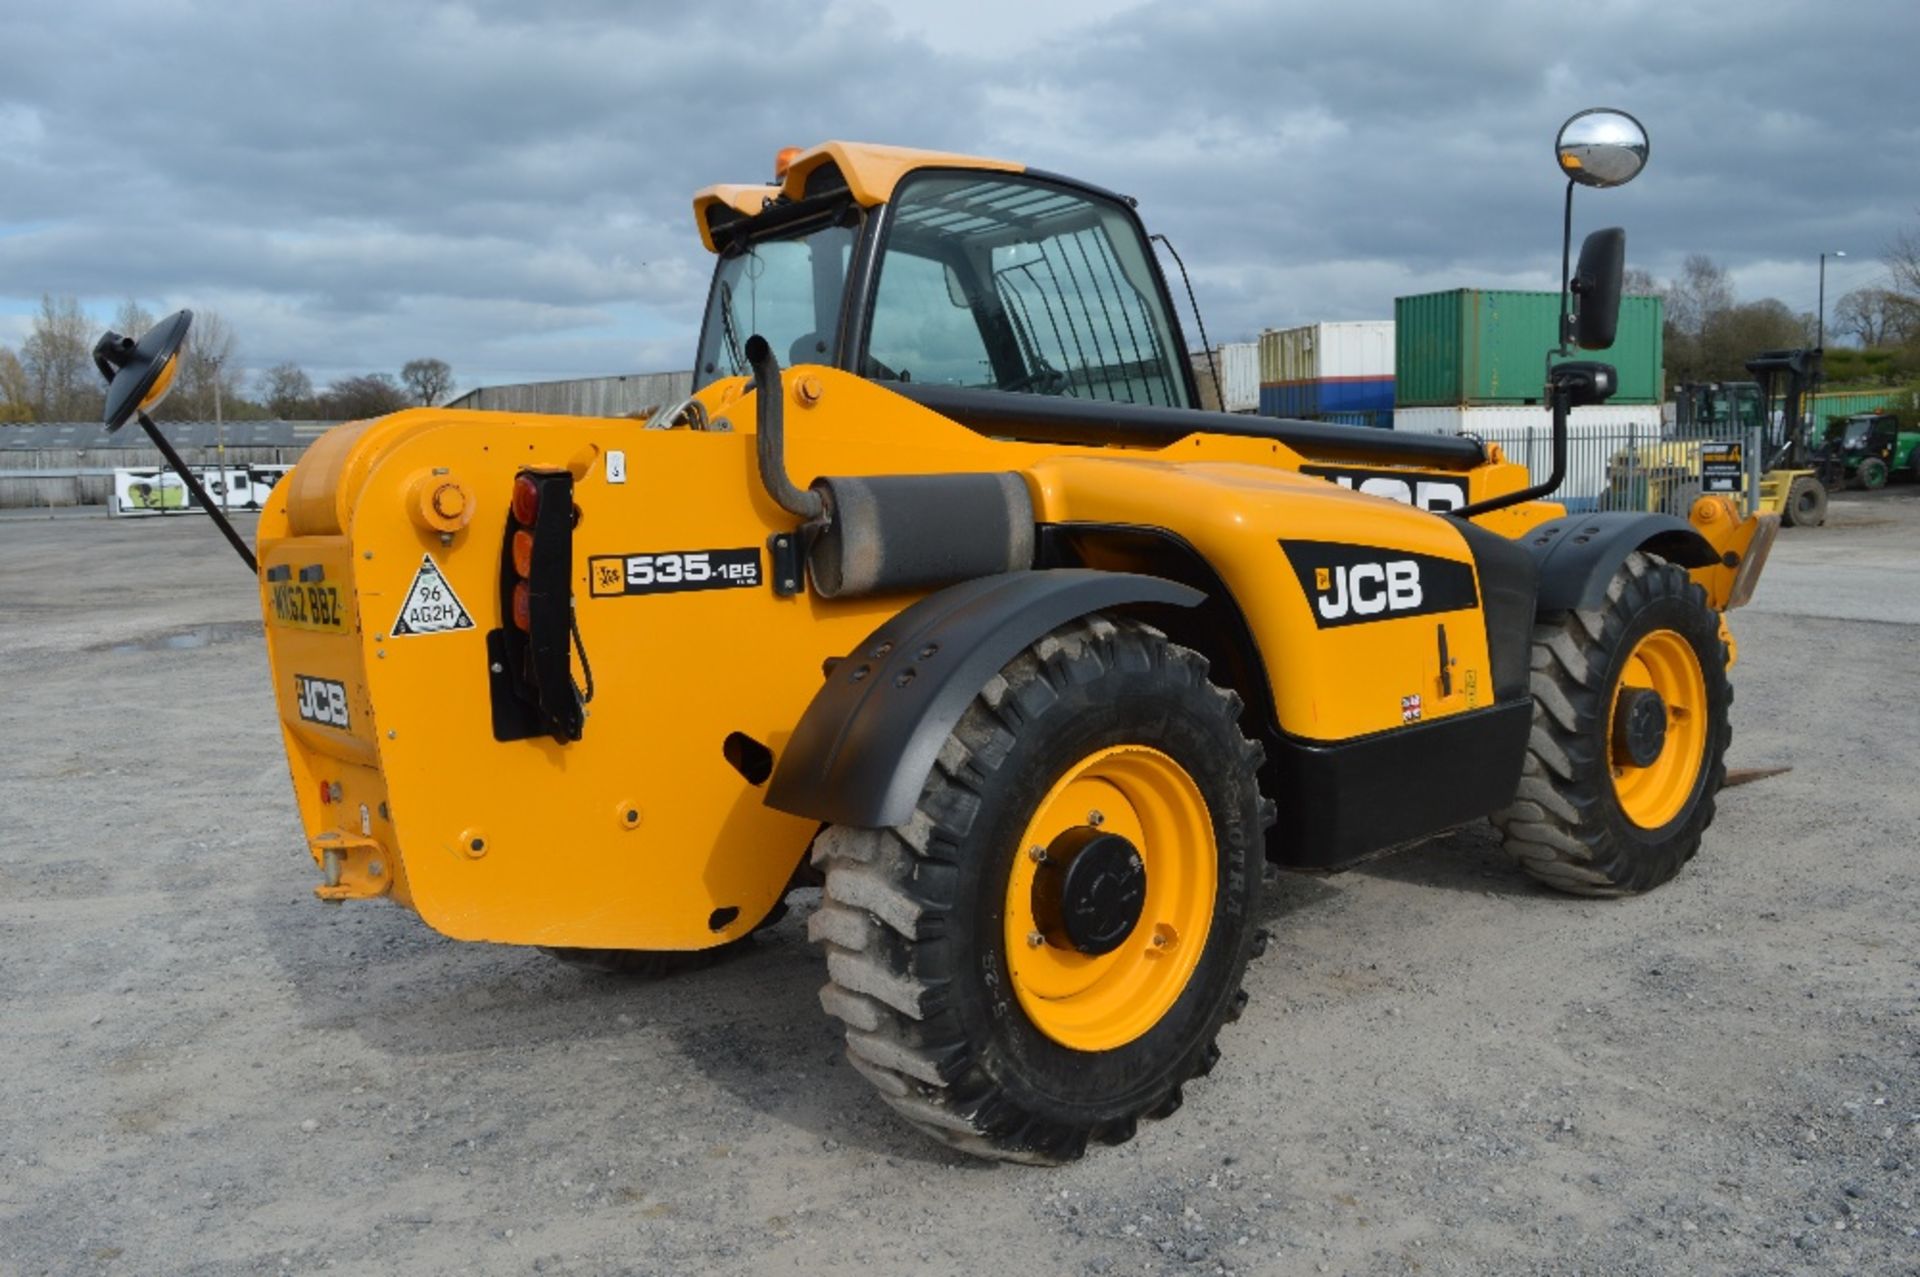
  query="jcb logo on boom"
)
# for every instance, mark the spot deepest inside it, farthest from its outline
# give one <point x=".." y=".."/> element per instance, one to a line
<point x="1367" y="589"/>
<point x="1353" y="584"/>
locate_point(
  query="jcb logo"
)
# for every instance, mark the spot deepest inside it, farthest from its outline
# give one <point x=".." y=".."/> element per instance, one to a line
<point x="1367" y="589"/>
<point x="1353" y="584"/>
<point x="321" y="700"/>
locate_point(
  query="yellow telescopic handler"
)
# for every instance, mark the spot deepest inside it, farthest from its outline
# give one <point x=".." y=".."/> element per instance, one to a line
<point x="942" y="594"/>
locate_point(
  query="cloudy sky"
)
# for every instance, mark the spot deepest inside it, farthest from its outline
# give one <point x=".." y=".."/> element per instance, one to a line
<point x="506" y="185"/>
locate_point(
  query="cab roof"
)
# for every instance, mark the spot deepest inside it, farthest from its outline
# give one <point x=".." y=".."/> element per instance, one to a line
<point x="867" y="170"/>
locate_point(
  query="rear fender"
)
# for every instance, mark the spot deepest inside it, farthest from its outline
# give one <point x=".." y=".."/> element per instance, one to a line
<point x="865" y="746"/>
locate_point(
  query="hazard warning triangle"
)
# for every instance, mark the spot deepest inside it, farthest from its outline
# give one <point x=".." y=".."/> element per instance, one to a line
<point x="431" y="606"/>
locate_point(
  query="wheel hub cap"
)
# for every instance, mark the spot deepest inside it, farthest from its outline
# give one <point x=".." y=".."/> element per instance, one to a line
<point x="1090" y="890"/>
<point x="1639" y="727"/>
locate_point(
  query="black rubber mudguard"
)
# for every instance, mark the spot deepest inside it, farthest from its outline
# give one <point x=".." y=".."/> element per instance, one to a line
<point x="1578" y="554"/>
<point x="867" y="742"/>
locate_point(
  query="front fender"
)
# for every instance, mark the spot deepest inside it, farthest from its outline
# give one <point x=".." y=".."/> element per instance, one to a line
<point x="1577" y="555"/>
<point x="865" y="746"/>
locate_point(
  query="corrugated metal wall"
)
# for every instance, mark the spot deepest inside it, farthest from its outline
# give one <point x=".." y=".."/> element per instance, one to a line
<point x="1845" y="403"/>
<point x="584" y="397"/>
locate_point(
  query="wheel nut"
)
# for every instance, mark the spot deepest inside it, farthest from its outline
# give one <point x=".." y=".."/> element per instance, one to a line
<point x="1096" y="818"/>
<point x="1035" y="939"/>
<point x="1159" y="940"/>
<point x="1037" y="854"/>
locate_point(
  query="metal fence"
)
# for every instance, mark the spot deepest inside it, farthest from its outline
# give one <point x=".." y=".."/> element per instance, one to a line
<point x="1641" y="468"/>
<point x="50" y="478"/>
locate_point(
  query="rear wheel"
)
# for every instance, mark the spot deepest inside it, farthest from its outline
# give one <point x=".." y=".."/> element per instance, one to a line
<point x="1629" y="736"/>
<point x="1871" y="473"/>
<point x="1045" y="953"/>
<point x="1806" y="503"/>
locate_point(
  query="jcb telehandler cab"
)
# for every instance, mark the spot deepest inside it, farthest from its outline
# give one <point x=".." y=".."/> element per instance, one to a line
<point x="971" y="616"/>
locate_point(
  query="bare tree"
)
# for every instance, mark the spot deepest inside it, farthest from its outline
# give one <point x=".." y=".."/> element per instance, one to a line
<point x="287" y="391"/>
<point x="430" y="380"/>
<point x="58" y="362"/>
<point x="1902" y="259"/>
<point x="16" y="397"/>
<point x="132" y="319"/>
<point x="1877" y="316"/>
<point x="1639" y="283"/>
<point x="209" y="375"/>
<point x="1702" y="292"/>
<point x="354" y="398"/>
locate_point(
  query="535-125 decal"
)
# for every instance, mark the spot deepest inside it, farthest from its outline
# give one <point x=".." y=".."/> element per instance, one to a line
<point x="673" y="571"/>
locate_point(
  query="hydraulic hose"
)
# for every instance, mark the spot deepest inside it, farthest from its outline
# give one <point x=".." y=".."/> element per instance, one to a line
<point x="770" y="440"/>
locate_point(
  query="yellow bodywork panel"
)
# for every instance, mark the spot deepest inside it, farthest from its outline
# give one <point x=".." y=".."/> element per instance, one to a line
<point x="642" y="834"/>
<point x="1328" y="683"/>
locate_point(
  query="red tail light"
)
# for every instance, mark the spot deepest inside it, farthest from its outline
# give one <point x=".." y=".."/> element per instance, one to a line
<point x="526" y="501"/>
<point x="533" y="651"/>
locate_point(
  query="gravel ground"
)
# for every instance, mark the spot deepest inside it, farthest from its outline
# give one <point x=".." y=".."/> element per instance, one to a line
<point x="1444" y="1070"/>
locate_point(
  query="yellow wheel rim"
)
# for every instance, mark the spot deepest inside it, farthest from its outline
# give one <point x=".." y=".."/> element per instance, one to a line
<point x="1665" y="663"/>
<point x="1097" y="1003"/>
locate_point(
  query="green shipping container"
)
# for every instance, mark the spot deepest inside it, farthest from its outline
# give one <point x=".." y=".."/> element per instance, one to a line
<point x="1485" y="346"/>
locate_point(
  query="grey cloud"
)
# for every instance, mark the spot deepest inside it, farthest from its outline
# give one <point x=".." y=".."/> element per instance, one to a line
<point x="507" y="186"/>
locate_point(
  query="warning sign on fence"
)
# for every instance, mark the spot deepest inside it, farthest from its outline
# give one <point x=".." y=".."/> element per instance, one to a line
<point x="1721" y="468"/>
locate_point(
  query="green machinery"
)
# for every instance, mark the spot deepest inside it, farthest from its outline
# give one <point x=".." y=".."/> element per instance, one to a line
<point x="1867" y="449"/>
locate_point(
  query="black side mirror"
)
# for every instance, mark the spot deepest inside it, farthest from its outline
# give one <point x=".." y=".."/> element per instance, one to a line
<point x="140" y="373"/>
<point x="1596" y="288"/>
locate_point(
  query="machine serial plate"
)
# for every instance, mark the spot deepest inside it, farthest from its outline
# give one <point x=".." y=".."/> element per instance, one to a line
<point x="673" y="571"/>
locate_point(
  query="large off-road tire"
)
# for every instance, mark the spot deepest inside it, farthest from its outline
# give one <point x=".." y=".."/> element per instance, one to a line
<point x="1806" y="503"/>
<point x="1603" y="810"/>
<point x="968" y="969"/>
<point x="1871" y="473"/>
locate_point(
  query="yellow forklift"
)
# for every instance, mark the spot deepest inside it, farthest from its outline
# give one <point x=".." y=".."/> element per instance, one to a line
<point x="970" y="616"/>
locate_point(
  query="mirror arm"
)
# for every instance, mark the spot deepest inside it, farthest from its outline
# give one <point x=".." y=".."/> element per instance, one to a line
<point x="200" y="493"/>
<point x="1562" y="402"/>
<point x="1566" y="279"/>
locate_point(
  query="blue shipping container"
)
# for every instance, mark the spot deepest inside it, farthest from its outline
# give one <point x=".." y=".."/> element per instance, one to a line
<point x="1320" y="397"/>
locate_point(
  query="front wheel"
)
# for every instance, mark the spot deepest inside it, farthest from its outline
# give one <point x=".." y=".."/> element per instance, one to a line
<point x="1806" y="503"/>
<point x="1871" y="474"/>
<point x="1629" y="737"/>
<point x="1044" y="954"/>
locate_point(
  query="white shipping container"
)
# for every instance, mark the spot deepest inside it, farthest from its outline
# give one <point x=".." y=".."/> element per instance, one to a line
<point x="1316" y="352"/>
<point x="1525" y="433"/>
<point x="1239" y="365"/>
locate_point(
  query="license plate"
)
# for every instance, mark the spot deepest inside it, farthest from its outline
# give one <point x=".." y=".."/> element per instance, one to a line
<point x="308" y="605"/>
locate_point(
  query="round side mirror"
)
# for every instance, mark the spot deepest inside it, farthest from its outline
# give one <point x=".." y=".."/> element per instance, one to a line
<point x="1601" y="147"/>
<point x="140" y="373"/>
